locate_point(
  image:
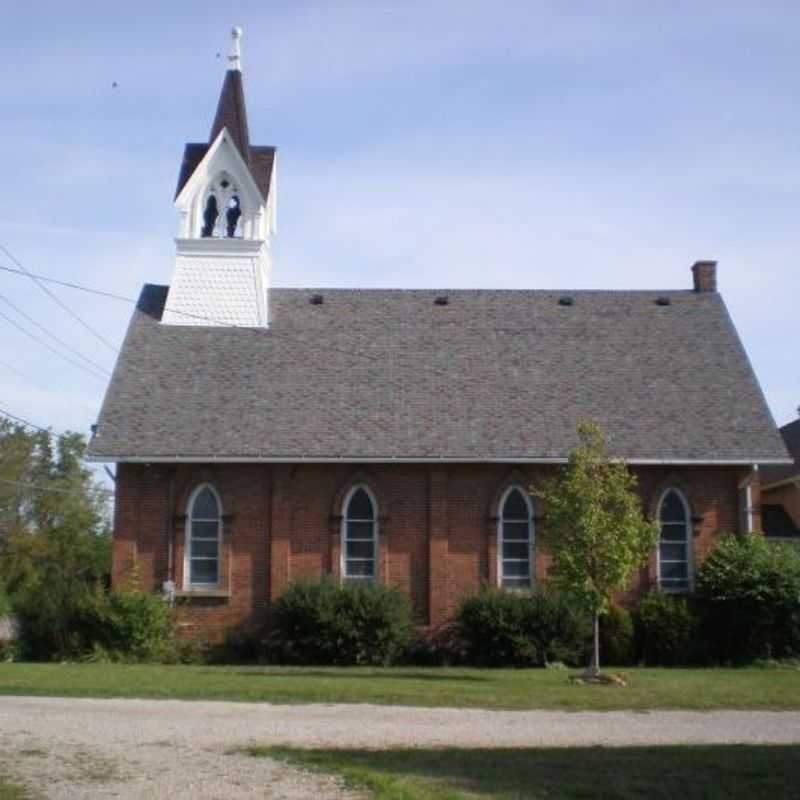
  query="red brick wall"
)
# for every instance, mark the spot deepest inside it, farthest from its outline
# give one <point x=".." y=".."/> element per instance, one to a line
<point x="437" y="528"/>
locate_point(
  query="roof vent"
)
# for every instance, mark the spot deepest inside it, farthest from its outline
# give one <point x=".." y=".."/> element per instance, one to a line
<point x="316" y="300"/>
<point x="442" y="300"/>
<point x="663" y="301"/>
<point x="566" y="300"/>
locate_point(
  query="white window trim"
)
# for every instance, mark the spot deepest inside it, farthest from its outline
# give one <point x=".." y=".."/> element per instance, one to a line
<point x="376" y="576"/>
<point x="689" y="543"/>
<point x="531" y="535"/>
<point x="188" y="584"/>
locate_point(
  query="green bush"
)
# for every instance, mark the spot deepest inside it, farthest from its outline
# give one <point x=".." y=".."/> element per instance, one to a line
<point x="134" y="626"/>
<point x="442" y="646"/>
<point x="665" y="629"/>
<point x="749" y="591"/>
<point x="617" y="637"/>
<point x="502" y="628"/>
<point x="128" y="625"/>
<point x="320" y="622"/>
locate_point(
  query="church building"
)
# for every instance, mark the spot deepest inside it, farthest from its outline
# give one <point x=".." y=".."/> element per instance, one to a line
<point x="263" y="435"/>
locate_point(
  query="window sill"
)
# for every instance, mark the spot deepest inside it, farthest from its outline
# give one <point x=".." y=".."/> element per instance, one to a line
<point x="223" y="594"/>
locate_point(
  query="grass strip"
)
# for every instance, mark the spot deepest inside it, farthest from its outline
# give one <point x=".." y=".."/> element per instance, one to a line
<point x="13" y="791"/>
<point x="631" y="773"/>
<point x="691" y="689"/>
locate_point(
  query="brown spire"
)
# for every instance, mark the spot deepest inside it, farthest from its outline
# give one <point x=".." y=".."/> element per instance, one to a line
<point x="231" y="111"/>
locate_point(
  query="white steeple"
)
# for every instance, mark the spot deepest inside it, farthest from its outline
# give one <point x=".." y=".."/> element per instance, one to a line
<point x="226" y="202"/>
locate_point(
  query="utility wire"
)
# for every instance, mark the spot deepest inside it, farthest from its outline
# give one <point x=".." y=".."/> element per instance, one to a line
<point x="202" y="318"/>
<point x="57" y="299"/>
<point x="21" y="374"/>
<point x="67" y="284"/>
<point x="55" y="338"/>
<point x="24" y="421"/>
<point x="39" y="488"/>
<point x="52" y="433"/>
<point x="433" y="371"/>
<point x="52" y="349"/>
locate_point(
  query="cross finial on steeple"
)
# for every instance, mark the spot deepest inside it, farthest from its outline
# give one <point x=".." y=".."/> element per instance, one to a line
<point x="234" y="58"/>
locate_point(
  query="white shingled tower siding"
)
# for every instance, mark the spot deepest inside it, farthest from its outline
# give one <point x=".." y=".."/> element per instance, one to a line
<point x="219" y="282"/>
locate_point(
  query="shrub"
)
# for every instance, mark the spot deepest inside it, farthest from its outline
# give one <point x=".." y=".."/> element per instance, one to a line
<point x="522" y="629"/>
<point x="134" y="625"/>
<point x="241" y="646"/>
<point x="749" y="590"/>
<point x="442" y="646"/>
<point x="320" y="622"/>
<point x="617" y="637"/>
<point x="128" y="625"/>
<point x="665" y="629"/>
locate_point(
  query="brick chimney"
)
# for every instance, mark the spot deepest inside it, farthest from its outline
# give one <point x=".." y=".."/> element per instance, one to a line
<point x="705" y="276"/>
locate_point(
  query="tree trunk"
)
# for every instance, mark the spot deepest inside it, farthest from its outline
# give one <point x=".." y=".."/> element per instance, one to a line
<point x="594" y="670"/>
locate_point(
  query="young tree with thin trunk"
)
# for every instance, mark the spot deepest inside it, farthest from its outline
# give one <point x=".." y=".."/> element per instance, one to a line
<point x="594" y="527"/>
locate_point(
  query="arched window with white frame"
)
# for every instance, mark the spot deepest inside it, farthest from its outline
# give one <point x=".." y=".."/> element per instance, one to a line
<point x="675" y="543"/>
<point x="360" y="535"/>
<point x="203" y="539"/>
<point x="515" y="540"/>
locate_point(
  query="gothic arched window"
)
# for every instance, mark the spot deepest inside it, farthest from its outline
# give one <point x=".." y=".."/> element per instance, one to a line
<point x="360" y="535"/>
<point x="675" y="543"/>
<point x="203" y="538"/>
<point x="515" y="540"/>
<point x="222" y="210"/>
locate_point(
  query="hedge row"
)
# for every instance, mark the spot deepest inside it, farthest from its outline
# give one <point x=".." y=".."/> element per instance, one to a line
<point x="746" y="607"/>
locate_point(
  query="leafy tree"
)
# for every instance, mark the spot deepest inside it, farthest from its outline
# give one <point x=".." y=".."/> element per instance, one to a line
<point x="594" y="527"/>
<point x="54" y="534"/>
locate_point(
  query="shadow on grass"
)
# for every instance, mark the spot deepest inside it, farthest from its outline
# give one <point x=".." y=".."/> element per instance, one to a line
<point x="380" y="675"/>
<point x="630" y="773"/>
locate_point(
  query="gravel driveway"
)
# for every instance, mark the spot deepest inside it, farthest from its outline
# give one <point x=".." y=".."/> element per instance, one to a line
<point x="79" y="748"/>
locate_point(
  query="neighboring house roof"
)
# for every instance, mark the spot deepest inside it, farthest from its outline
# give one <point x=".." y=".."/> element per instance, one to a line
<point x="775" y="521"/>
<point x="771" y="475"/>
<point x="391" y="374"/>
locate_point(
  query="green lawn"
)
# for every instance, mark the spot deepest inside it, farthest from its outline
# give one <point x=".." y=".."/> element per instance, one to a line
<point x="547" y="689"/>
<point x="12" y="791"/>
<point x="632" y="773"/>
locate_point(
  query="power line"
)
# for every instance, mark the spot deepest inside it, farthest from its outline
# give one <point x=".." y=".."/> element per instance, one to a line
<point x="67" y="284"/>
<point x="57" y="299"/>
<point x="51" y="348"/>
<point x="21" y="374"/>
<point x="49" y="432"/>
<point x="276" y="334"/>
<point x="25" y="421"/>
<point x="38" y="487"/>
<point x="55" y="338"/>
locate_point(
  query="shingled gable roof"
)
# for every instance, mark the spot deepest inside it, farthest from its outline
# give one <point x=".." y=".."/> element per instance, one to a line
<point x="391" y="375"/>
<point x="773" y="474"/>
<point x="231" y="114"/>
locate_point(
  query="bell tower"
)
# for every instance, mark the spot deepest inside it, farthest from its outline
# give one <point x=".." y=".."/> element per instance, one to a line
<point x="226" y="203"/>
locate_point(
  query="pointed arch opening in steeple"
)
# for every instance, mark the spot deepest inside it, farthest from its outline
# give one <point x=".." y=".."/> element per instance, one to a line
<point x="223" y="212"/>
